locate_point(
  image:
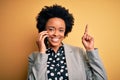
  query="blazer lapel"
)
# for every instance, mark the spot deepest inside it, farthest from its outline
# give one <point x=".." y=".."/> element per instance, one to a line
<point x="68" y="55"/>
<point x="72" y="65"/>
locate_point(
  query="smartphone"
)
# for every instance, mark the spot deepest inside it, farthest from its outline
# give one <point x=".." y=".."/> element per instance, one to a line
<point x="46" y="42"/>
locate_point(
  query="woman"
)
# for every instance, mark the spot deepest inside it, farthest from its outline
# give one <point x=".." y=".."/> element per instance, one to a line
<point x="58" y="61"/>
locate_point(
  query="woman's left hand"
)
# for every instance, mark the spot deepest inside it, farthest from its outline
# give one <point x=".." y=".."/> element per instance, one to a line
<point x="87" y="40"/>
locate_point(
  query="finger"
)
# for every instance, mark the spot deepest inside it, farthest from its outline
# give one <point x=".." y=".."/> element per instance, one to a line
<point x="42" y="34"/>
<point x="43" y="38"/>
<point x="84" y="37"/>
<point x="86" y="29"/>
<point x="89" y="38"/>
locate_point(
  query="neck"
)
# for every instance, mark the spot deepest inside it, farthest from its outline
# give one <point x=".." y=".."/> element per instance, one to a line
<point x="55" y="48"/>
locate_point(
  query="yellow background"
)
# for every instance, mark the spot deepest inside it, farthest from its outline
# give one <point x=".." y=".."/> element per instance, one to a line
<point x="18" y="32"/>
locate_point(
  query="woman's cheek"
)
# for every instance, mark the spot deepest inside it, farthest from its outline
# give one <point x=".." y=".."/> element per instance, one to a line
<point x="50" y="33"/>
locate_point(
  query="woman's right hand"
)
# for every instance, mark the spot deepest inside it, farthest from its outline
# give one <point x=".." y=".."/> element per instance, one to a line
<point x="40" y="41"/>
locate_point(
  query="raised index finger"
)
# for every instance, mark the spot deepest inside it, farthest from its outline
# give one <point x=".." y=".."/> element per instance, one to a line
<point x="86" y="29"/>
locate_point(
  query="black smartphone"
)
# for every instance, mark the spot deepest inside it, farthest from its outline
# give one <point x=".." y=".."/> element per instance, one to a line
<point x="46" y="42"/>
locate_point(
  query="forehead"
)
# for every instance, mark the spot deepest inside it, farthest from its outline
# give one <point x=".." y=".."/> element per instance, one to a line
<point x="55" y="22"/>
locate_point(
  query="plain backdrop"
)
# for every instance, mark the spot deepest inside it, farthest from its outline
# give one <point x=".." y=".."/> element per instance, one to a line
<point x="18" y="32"/>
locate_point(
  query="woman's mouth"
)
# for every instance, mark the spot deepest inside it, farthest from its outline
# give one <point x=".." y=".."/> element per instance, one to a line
<point x="54" y="39"/>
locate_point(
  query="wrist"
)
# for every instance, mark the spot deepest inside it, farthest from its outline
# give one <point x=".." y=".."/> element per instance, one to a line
<point x="42" y="51"/>
<point x="89" y="49"/>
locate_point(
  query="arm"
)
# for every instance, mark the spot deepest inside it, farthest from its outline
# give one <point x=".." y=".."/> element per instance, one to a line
<point x="95" y="67"/>
<point x="38" y="61"/>
<point x="37" y="66"/>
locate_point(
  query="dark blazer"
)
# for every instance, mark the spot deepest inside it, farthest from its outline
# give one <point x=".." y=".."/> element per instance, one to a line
<point x="81" y="65"/>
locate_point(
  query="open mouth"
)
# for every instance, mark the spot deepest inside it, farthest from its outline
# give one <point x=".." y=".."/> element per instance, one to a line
<point x="54" y="39"/>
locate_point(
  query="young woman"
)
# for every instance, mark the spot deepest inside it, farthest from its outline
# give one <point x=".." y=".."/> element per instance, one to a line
<point x="56" y="60"/>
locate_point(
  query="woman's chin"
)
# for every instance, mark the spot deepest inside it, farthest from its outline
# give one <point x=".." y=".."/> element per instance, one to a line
<point x="55" y="44"/>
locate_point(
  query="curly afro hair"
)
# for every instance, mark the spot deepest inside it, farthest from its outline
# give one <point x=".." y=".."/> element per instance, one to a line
<point x="55" y="11"/>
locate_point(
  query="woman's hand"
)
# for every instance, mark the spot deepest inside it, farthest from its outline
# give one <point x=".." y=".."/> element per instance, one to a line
<point x="40" y="41"/>
<point x="87" y="40"/>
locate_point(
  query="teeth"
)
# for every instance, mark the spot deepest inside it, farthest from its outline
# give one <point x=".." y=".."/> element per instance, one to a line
<point x="55" y="39"/>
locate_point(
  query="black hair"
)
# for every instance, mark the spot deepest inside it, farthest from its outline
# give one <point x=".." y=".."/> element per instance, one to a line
<point x="55" y="11"/>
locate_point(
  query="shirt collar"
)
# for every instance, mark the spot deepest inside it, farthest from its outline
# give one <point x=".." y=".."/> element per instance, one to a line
<point x="59" y="50"/>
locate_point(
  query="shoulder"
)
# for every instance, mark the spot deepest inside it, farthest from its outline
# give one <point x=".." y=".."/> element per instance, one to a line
<point x="33" y="55"/>
<point x="73" y="48"/>
<point x="74" y="51"/>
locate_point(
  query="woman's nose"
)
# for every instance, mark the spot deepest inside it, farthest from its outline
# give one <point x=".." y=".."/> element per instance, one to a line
<point x="56" y="33"/>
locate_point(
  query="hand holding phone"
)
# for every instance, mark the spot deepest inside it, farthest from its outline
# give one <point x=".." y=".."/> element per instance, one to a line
<point x="42" y="41"/>
<point x="46" y="42"/>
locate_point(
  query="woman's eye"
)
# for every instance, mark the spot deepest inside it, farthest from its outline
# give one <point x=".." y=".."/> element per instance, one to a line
<point x="61" y="30"/>
<point x="51" y="29"/>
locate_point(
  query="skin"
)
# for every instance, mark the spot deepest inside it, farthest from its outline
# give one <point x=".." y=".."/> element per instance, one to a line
<point x="55" y="29"/>
<point x="88" y="40"/>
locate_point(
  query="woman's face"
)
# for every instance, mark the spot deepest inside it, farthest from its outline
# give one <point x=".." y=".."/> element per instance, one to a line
<point x="56" y="30"/>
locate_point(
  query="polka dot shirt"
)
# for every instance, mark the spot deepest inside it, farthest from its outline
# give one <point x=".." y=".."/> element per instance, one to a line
<point x="56" y="65"/>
